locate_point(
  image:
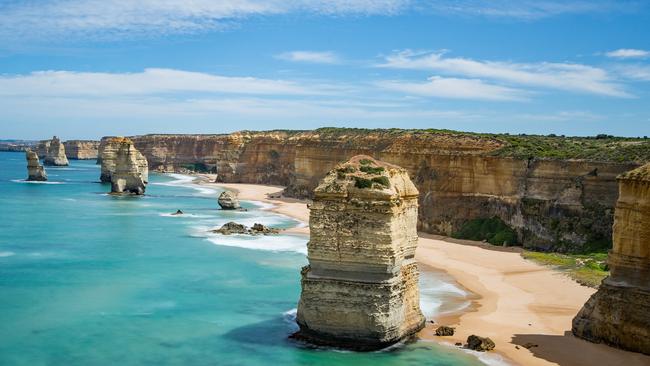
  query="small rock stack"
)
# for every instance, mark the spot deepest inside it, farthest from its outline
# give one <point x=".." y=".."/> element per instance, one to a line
<point x="128" y="176"/>
<point x="228" y="201"/>
<point x="108" y="150"/>
<point x="619" y="313"/>
<point x="55" y="155"/>
<point x="360" y="289"/>
<point x="35" y="171"/>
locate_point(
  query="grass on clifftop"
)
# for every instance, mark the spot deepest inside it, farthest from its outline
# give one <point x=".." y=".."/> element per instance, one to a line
<point x="586" y="269"/>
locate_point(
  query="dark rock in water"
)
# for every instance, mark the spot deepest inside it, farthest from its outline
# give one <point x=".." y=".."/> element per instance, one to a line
<point x="235" y="228"/>
<point x="480" y="344"/>
<point x="444" y="330"/>
<point x="35" y="171"/>
<point x="228" y="201"/>
<point x="178" y="212"/>
<point x="458" y="344"/>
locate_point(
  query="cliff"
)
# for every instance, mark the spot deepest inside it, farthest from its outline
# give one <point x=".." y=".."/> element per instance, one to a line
<point x="81" y="149"/>
<point x="35" y="171"/>
<point x="547" y="189"/>
<point x="108" y="155"/>
<point x="55" y="153"/>
<point x="619" y="313"/>
<point x="128" y="176"/>
<point x="360" y="289"/>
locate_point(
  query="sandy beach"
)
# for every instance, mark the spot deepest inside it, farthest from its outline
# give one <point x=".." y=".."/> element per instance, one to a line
<point x="517" y="302"/>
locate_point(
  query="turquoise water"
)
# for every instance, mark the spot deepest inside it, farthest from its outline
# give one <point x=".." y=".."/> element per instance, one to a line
<point x="91" y="279"/>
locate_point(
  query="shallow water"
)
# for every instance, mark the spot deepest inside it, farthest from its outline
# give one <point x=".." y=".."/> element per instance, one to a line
<point x="92" y="279"/>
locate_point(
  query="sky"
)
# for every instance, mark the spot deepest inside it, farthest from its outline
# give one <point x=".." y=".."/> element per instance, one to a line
<point x="90" y="68"/>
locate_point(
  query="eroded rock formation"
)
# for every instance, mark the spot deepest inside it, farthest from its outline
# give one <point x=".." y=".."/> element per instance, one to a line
<point x="35" y="171"/>
<point x="108" y="152"/>
<point x="619" y="313"/>
<point x="55" y="153"/>
<point x="360" y="289"/>
<point x="235" y="228"/>
<point x="228" y="201"/>
<point x="81" y="149"/>
<point x="560" y="204"/>
<point x="128" y="175"/>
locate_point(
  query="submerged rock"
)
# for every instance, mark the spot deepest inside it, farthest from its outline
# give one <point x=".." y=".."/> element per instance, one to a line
<point x="235" y="228"/>
<point x="228" y="201"/>
<point x="360" y="289"/>
<point x="178" y="212"/>
<point x="127" y="177"/>
<point x="55" y="155"/>
<point x="108" y="149"/>
<point x="480" y="344"/>
<point x="618" y="314"/>
<point x="445" y="331"/>
<point x="35" y="171"/>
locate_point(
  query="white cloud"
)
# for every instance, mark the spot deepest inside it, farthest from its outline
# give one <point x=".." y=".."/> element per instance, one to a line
<point x="562" y="76"/>
<point x="148" y="82"/>
<point x="118" y="18"/>
<point x="634" y="72"/>
<point x="311" y="57"/>
<point x="628" y="53"/>
<point x="456" y="89"/>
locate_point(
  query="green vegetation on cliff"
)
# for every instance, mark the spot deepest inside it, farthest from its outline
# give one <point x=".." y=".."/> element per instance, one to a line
<point x="492" y="230"/>
<point x="586" y="269"/>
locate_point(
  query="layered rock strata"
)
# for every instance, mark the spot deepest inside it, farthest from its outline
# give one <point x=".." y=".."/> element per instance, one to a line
<point x="360" y="289"/>
<point x="55" y="155"/>
<point x="559" y="204"/>
<point x="35" y="171"/>
<point x="108" y="154"/>
<point x="228" y="201"/>
<point x="81" y="149"/>
<point x="128" y="174"/>
<point x="619" y="312"/>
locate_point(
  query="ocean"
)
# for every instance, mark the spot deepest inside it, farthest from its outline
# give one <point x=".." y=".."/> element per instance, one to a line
<point x="87" y="278"/>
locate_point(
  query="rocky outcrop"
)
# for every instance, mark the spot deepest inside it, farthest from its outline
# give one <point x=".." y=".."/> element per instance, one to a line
<point x="235" y="228"/>
<point x="128" y="174"/>
<point x="81" y="149"/>
<point x="108" y="152"/>
<point x="480" y="344"/>
<point x="552" y="204"/>
<point x="55" y="153"/>
<point x="445" y="331"/>
<point x="619" y="312"/>
<point x="228" y="201"/>
<point x="35" y="171"/>
<point x="360" y="289"/>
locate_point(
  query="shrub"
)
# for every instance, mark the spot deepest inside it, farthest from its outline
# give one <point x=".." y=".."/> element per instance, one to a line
<point x="362" y="182"/>
<point x="371" y="170"/>
<point x="382" y="180"/>
<point x="365" y="161"/>
<point x="493" y="230"/>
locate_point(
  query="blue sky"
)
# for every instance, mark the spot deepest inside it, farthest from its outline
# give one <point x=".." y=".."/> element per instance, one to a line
<point x="88" y="68"/>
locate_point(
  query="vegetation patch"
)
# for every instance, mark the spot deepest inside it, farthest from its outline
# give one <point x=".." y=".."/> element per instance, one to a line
<point x="199" y="168"/>
<point x="365" y="162"/>
<point x="381" y="180"/>
<point x="362" y="182"/>
<point x="586" y="269"/>
<point x="371" y="169"/>
<point x="492" y="230"/>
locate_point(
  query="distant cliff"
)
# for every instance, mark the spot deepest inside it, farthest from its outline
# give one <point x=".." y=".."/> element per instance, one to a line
<point x="556" y="193"/>
<point x="81" y="149"/>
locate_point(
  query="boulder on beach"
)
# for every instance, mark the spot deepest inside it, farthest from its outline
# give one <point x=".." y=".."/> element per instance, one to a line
<point x="228" y="201"/>
<point x="35" y="171"/>
<point x="480" y="344"/>
<point x="444" y="331"/>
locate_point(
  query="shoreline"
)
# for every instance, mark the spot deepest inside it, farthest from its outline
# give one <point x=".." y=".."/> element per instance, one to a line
<point x="514" y="301"/>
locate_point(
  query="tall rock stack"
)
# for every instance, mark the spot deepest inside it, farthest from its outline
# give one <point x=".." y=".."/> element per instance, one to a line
<point x="35" y="171"/>
<point x="55" y="153"/>
<point x="108" y="152"/>
<point x="360" y="289"/>
<point x="128" y="176"/>
<point x="619" y="313"/>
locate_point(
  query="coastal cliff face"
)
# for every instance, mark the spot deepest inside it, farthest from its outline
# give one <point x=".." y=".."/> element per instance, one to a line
<point x="552" y="204"/>
<point x="619" y="313"/>
<point x="360" y="289"/>
<point x="108" y="155"/>
<point x="81" y="149"/>
<point x="128" y="176"/>
<point x="55" y="154"/>
<point x="35" y="171"/>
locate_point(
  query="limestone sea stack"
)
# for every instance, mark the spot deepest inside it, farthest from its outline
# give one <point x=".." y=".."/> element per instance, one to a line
<point x="55" y="155"/>
<point x="35" y="171"/>
<point x="360" y="288"/>
<point x="619" y="313"/>
<point x="128" y="175"/>
<point x="108" y="150"/>
<point x="228" y="201"/>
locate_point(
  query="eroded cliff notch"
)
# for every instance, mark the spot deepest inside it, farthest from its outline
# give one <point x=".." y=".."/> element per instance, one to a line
<point x="619" y="313"/>
<point x="130" y="172"/>
<point x="360" y="289"/>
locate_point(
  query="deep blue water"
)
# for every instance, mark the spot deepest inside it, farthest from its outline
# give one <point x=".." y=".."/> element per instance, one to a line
<point x="92" y="279"/>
